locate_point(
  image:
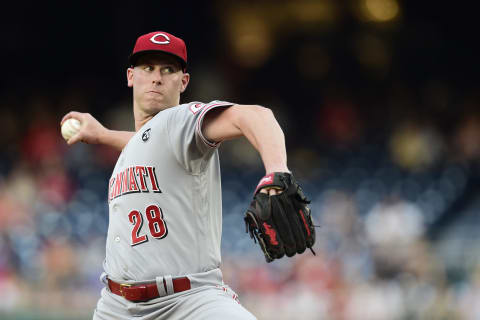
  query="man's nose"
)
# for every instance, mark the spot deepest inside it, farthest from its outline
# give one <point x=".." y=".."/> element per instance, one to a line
<point x="157" y="78"/>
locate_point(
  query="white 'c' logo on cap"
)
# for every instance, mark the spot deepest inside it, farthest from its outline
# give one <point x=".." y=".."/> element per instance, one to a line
<point x="154" y="38"/>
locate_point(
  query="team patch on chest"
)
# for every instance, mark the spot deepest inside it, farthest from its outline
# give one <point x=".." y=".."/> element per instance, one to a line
<point x="133" y="179"/>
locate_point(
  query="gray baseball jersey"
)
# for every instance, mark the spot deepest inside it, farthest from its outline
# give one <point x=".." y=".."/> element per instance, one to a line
<point x="165" y="199"/>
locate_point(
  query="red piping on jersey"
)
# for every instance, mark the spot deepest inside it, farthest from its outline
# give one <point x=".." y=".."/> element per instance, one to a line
<point x="200" y="119"/>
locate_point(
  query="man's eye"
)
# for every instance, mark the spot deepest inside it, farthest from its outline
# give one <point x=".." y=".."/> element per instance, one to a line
<point x="148" y="68"/>
<point x="167" y="70"/>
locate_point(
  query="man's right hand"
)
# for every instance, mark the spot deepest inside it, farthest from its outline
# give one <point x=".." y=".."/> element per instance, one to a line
<point x="91" y="131"/>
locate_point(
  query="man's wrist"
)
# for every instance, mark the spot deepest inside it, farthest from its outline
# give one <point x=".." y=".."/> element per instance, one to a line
<point x="105" y="136"/>
<point x="272" y="169"/>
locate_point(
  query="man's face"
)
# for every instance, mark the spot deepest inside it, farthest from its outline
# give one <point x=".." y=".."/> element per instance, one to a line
<point x="157" y="80"/>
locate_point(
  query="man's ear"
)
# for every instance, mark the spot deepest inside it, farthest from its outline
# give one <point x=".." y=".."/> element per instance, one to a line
<point x="130" y="77"/>
<point x="185" y="81"/>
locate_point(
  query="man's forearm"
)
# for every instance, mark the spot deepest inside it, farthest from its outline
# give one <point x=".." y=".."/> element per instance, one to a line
<point x="116" y="139"/>
<point x="262" y="130"/>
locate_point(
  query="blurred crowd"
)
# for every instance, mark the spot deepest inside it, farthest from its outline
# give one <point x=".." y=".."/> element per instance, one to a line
<point x="380" y="108"/>
<point x="396" y="216"/>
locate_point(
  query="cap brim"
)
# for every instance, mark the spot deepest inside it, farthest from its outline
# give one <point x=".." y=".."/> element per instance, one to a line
<point x="134" y="57"/>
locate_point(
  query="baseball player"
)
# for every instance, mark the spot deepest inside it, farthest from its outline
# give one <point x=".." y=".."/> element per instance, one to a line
<point x="163" y="242"/>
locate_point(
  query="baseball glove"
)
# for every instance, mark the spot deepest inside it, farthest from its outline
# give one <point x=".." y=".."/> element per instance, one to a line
<point x="281" y="223"/>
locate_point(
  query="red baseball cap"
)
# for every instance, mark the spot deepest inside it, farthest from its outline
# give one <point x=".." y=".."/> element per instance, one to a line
<point x="159" y="41"/>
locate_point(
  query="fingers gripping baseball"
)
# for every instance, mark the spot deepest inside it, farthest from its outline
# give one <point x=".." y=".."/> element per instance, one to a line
<point x="89" y="131"/>
<point x="280" y="219"/>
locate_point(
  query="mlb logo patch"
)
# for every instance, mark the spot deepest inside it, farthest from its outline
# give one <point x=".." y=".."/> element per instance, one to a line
<point x="146" y="135"/>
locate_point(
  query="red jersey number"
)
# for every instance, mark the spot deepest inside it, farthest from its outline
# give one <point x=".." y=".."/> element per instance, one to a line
<point x="156" y="224"/>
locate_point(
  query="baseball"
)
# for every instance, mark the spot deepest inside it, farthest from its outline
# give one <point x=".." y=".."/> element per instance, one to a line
<point x="69" y="128"/>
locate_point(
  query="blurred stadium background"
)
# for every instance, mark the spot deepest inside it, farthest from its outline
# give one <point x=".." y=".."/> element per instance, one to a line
<point x="379" y="102"/>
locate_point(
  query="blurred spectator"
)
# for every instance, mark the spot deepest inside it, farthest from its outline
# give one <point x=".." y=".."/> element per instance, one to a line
<point x="467" y="137"/>
<point x="415" y="147"/>
<point x="339" y="123"/>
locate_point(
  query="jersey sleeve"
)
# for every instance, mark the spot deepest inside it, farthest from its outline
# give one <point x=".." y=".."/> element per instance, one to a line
<point x="184" y="126"/>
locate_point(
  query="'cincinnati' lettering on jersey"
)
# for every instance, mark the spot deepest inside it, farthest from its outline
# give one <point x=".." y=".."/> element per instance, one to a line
<point x="133" y="179"/>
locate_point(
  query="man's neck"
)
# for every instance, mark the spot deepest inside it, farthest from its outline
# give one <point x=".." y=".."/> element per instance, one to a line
<point x="142" y="117"/>
<point x="140" y="122"/>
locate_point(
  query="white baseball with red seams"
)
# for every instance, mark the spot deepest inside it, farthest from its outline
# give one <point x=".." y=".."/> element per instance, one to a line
<point x="165" y="218"/>
<point x="70" y="128"/>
